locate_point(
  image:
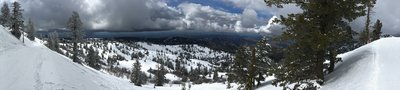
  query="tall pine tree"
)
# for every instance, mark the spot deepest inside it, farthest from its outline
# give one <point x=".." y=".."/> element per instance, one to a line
<point x="75" y="25"/>
<point x="16" y="21"/>
<point x="365" y="36"/>
<point x="5" y="15"/>
<point x="30" y="30"/>
<point x="136" y="74"/>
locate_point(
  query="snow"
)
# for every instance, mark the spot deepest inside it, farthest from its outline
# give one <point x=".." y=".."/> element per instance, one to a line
<point x="32" y="66"/>
<point x="373" y="66"/>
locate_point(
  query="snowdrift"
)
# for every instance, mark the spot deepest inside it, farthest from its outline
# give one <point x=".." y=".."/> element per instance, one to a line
<point x="32" y="66"/>
<point x="373" y="66"/>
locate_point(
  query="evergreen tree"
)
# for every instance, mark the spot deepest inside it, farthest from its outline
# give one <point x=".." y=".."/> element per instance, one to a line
<point x="5" y="15"/>
<point x="243" y="67"/>
<point x="215" y="76"/>
<point x="75" y="25"/>
<point x="30" y="30"/>
<point x="376" y="34"/>
<point x="136" y="74"/>
<point x="251" y="63"/>
<point x="92" y="59"/>
<point x="314" y="34"/>
<point x="53" y="42"/>
<point x="365" y="36"/>
<point x="16" y="20"/>
<point x="160" y="75"/>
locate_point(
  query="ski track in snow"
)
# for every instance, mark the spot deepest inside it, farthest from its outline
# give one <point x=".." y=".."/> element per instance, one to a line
<point x="39" y="84"/>
<point x="376" y="63"/>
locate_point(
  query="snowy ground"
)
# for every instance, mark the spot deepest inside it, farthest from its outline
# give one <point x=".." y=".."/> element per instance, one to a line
<point x="32" y="66"/>
<point x="373" y="66"/>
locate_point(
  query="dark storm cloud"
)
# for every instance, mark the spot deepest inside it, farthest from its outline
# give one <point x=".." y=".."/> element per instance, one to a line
<point x="141" y="14"/>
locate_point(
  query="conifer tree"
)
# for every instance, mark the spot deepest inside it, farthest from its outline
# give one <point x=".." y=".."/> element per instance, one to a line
<point x="215" y="76"/>
<point x="366" y="35"/>
<point x="16" y="20"/>
<point x="5" y="15"/>
<point x="376" y="34"/>
<point x="160" y="75"/>
<point x="53" y="42"/>
<point x="251" y="64"/>
<point x="136" y="74"/>
<point x="30" y="30"/>
<point x="243" y="67"/>
<point x="314" y="33"/>
<point x="75" y="25"/>
<point x="239" y="66"/>
<point x="92" y="59"/>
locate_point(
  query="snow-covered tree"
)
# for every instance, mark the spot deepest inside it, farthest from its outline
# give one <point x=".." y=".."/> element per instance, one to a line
<point x="160" y="75"/>
<point x="5" y="15"/>
<point x="53" y="42"/>
<point x="30" y="30"/>
<point x="16" y="20"/>
<point x="75" y="25"/>
<point x="136" y="74"/>
<point x="92" y="59"/>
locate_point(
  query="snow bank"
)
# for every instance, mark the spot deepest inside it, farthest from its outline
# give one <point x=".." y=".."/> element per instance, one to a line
<point x="372" y="66"/>
<point x="30" y="66"/>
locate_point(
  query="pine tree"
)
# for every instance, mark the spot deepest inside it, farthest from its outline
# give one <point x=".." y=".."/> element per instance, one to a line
<point x="136" y="74"/>
<point x="244" y="67"/>
<point x="160" y="75"/>
<point x="92" y="59"/>
<point x="314" y="34"/>
<point x="239" y="66"/>
<point x="30" y="30"/>
<point x="75" y="25"/>
<point x="251" y="63"/>
<point x="376" y="34"/>
<point x="365" y="36"/>
<point x="215" y="76"/>
<point x="5" y="15"/>
<point x="16" y="20"/>
<point x="53" y="42"/>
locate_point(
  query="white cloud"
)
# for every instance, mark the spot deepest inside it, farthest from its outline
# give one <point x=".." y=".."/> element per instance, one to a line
<point x="262" y="8"/>
<point x="142" y="14"/>
<point x="388" y="11"/>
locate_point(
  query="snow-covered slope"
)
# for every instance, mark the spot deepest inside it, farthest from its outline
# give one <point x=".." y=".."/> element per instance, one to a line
<point x="32" y="66"/>
<point x="373" y="66"/>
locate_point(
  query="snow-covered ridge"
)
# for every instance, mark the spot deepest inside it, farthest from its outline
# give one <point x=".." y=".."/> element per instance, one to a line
<point x="372" y="66"/>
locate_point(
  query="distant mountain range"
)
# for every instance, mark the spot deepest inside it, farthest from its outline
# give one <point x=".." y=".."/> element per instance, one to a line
<point x="225" y="41"/>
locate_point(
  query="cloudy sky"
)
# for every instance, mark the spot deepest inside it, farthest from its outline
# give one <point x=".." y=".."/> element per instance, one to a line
<point x="208" y="15"/>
